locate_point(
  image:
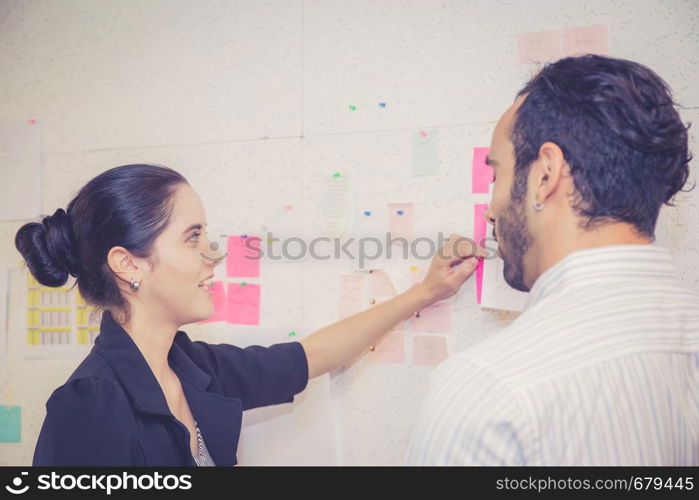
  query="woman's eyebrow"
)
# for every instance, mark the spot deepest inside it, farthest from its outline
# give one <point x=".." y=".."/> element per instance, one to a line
<point x="192" y="228"/>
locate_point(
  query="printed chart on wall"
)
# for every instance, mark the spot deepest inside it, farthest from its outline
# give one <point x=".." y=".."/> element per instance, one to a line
<point x="60" y="324"/>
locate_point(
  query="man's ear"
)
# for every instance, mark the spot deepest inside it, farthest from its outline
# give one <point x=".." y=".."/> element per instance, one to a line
<point x="547" y="172"/>
<point x="123" y="264"/>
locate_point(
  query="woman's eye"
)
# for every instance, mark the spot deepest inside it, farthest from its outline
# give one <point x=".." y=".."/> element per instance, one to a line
<point x="195" y="237"/>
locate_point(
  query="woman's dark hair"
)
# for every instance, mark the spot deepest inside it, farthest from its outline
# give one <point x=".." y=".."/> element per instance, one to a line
<point x="617" y="126"/>
<point x="126" y="206"/>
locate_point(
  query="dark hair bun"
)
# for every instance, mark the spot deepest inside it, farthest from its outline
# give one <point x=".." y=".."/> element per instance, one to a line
<point x="49" y="249"/>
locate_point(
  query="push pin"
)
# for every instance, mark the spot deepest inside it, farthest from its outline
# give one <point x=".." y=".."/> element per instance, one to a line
<point x="417" y="314"/>
<point x="372" y="301"/>
<point x="372" y="348"/>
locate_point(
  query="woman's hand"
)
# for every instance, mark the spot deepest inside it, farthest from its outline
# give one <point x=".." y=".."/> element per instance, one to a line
<point x="451" y="266"/>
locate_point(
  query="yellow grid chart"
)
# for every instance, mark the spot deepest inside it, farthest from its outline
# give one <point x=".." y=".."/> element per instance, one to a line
<point x="53" y="314"/>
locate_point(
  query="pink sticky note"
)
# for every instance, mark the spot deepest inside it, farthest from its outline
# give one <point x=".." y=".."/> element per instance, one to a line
<point x="219" y="299"/>
<point x="380" y="284"/>
<point x="243" y="259"/>
<point x="479" y="227"/>
<point x="481" y="174"/>
<point x="351" y="299"/>
<point x="434" y="319"/>
<point x="401" y="218"/>
<point x="586" y="40"/>
<point x="243" y="304"/>
<point x="390" y="349"/>
<point x="429" y="350"/>
<point x="539" y="46"/>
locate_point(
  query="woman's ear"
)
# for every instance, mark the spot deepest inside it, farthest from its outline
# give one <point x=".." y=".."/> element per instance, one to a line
<point x="123" y="264"/>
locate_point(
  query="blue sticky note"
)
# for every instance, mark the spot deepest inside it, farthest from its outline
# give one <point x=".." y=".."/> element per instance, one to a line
<point x="425" y="153"/>
<point x="10" y="424"/>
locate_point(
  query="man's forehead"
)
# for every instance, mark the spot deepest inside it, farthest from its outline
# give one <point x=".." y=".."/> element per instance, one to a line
<point x="501" y="134"/>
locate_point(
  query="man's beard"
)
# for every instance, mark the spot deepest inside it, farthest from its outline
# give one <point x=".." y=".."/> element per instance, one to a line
<point x="514" y="240"/>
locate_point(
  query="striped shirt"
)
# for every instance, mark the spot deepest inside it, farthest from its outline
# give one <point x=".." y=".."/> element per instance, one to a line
<point x="203" y="459"/>
<point x="602" y="368"/>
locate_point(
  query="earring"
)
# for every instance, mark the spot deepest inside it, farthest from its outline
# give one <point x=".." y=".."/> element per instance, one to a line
<point x="135" y="285"/>
<point x="538" y="206"/>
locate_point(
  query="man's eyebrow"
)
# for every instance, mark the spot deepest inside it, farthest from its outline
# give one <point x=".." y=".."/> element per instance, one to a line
<point x="490" y="162"/>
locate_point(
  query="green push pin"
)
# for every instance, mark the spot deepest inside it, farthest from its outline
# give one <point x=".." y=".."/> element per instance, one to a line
<point x="353" y="108"/>
<point x="336" y="174"/>
<point x="243" y="283"/>
<point x="292" y="334"/>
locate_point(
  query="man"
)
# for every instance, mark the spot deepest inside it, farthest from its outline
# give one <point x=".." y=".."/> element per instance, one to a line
<point x="602" y="367"/>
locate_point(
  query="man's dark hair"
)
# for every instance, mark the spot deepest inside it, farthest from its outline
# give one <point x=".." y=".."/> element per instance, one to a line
<point x="616" y="123"/>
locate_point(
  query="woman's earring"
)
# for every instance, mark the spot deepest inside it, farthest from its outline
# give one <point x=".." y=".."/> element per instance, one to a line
<point x="538" y="206"/>
<point x="135" y="284"/>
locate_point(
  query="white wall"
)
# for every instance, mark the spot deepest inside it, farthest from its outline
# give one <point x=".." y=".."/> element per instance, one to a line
<point x="249" y="100"/>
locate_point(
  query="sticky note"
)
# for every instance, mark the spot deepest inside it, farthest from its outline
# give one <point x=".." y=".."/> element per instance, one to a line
<point x="479" y="228"/>
<point x="425" y="153"/>
<point x="10" y="424"/>
<point x="429" y="350"/>
<point x="351" y="299"/>
<point x="243" y="304"/>
<point x="380" y="284"/>
<point x="586" y="40"/>
<point x="243" y="256"/>
<point x="539" y="46"/>
<point x="401" y="225"/>
<point x="435" y="318"/>
<point x="390" y="349"/>
<point x="219" y="299"/>
<point x="481" y="174"/>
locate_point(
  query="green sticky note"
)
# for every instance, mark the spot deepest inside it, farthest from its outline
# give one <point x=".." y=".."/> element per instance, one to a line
<point x="425" y="153"/>
<point x="10" y="424"/>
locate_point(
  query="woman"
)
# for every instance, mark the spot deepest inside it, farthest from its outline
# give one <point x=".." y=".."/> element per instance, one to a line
<point x="146" y="394"/>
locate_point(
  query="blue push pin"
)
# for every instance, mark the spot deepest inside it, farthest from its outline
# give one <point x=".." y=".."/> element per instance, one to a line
<point x="367" y="213"/>
<point x="382" y="104"/>
<point x="400" y="212"/>
<point x="243" y="236"/>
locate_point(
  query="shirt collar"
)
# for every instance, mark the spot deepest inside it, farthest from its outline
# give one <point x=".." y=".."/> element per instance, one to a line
<point x="606" y="264"/>
<point x="124" y="356"/>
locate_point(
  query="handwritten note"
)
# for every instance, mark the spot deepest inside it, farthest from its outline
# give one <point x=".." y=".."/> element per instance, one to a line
<point x="351" y="299"/>
<point x="334" y="205"/>
<point x="539" y="46"/>
<point x="479" y="228"/>
<point x="243" y="304"/>
<point x="243" y="259"/>
<point x="586" y="40"/>
<point x="481" y="174"/>
<point x="10" y="424"/>
<point x="496" y="293"/>
<point x="425" y="152"/>
<point x="435" y="318"/>
<point x="401" y="222"/>
<point x="390" y="349"/>
<point x="429" y="350"/>
<point x="380" y="284"/>
<point x="219" y="300"/>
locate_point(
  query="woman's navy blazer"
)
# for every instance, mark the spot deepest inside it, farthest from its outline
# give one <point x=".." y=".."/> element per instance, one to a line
<point x="112" y="411"/>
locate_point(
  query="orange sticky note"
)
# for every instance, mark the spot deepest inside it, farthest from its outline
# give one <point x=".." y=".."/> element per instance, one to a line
<point x="435" y="318"/>
<point x="390" y="349"/>
<point x="219" y="299"/>
<point x="539" y="46"/>
<point x="243" y="259"/>
<point x="243" y="304"/>
<point x="429" y="350"/>
<point x="401" y="221"/>
<point x="583" y="40"/>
